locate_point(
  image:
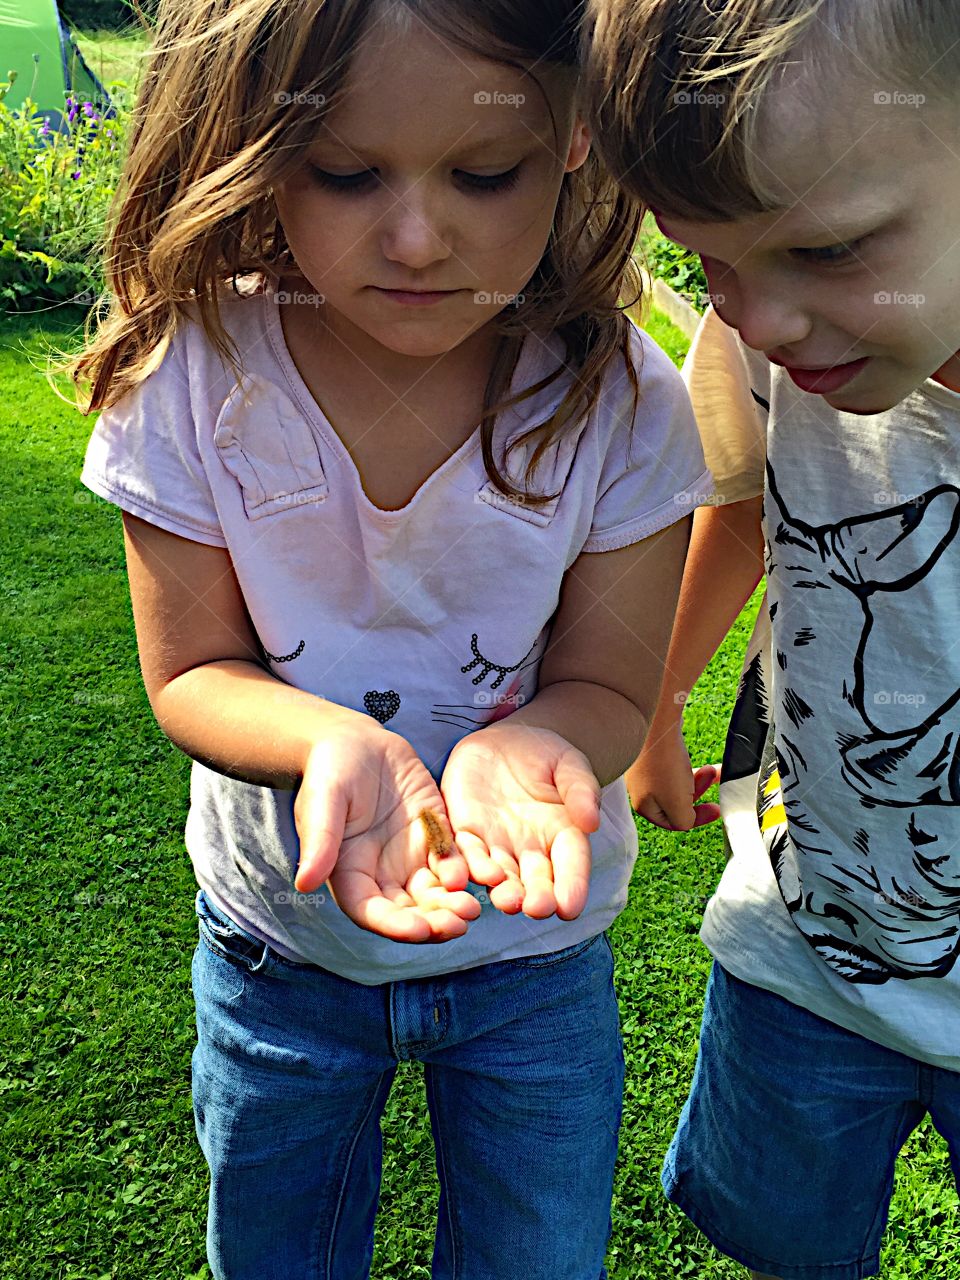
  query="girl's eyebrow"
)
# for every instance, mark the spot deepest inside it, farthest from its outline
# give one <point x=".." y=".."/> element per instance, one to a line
<point x="512" y="138"/>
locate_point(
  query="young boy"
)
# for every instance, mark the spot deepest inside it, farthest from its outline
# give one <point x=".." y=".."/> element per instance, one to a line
<point x="809" y="151"/>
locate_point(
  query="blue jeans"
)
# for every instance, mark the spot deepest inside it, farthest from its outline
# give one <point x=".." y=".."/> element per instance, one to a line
<point x="523" y="1064"/>
<point x="784" y="1154"/>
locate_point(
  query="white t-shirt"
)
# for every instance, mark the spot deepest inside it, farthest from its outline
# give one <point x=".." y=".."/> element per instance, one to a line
<point x="841" y="776"/>
<point x="432" y="618"/>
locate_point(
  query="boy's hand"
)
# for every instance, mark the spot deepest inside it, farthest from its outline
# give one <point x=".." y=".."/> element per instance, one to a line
<point x="664" y="787"/>
<point x="357" y="814"/>
<point x="521" y="801"/>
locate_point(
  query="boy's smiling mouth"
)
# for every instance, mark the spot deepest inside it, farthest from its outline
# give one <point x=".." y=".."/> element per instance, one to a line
<point x="825" y="379"/>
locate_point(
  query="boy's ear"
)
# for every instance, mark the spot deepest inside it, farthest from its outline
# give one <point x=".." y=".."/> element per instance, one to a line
<point x="579" y="145"/>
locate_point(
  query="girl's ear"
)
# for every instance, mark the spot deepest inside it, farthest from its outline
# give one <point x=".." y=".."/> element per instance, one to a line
<point x="579" y="145"/>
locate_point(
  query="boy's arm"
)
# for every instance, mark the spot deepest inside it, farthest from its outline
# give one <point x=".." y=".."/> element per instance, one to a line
<point x="730" y="389"/>
<point x="724" y="565"/>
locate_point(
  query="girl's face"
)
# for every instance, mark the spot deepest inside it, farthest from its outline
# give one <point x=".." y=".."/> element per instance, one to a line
<point x="426" y="202"/>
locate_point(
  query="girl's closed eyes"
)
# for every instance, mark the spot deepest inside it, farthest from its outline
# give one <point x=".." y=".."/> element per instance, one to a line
<point x="367" y="179"/>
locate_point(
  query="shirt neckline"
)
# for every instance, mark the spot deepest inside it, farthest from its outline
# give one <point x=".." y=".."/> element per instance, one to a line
<point x="270" y="315"/>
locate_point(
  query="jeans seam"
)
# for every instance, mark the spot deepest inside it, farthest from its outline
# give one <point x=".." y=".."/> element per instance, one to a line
<point x="429" y="1073"/>
<point x="328" y="1268"/>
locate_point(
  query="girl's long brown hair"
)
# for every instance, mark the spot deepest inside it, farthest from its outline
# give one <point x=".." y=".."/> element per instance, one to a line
<point x="226" y="109"/>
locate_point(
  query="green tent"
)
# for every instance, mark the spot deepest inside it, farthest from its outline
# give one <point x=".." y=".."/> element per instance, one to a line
<point x="49" y="66"/>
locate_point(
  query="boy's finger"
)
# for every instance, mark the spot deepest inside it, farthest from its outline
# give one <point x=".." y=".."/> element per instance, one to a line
<point x="704" y="778"/>
<point x="704" y="813"/>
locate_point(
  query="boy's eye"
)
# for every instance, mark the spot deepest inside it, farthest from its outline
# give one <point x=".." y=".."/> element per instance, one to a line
<point x="364" y="179"/>
<point x="832" y="253"/>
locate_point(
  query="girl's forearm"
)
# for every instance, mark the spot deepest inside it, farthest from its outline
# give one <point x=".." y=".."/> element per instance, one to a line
<point x="238" y="719"/>
<point x="603" y="724"/>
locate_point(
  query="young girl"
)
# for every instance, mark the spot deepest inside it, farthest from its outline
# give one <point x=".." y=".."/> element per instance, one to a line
<point x="358" y="250"/>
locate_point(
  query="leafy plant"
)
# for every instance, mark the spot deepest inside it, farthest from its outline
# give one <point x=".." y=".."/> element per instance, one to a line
<point x="675" y="266"/>
<point x="55" y="189"/>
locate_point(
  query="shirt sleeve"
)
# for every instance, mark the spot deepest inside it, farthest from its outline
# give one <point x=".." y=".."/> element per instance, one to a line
<point x="730" y="388"/>
<point x="653" y="473"/>
<point x="143" y="455"/>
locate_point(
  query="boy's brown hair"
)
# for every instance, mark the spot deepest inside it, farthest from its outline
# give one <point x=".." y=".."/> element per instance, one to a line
<point x="676" y="86"/>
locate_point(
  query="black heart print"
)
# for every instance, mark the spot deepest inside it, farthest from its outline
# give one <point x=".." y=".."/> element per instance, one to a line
<point x="382" y="706"/>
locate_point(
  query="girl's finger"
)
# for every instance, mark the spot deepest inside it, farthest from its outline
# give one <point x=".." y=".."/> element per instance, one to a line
<point x="482" y="868"/>
<point x="537" y="873"/>
<point x="579" y="790"/>
<point x="320" y="826"/>
<point x="429" y="896"/>
<point x="572" y="862"/>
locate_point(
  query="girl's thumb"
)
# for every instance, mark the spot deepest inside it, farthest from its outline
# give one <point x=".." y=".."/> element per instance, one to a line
<point x="321" y="831"/>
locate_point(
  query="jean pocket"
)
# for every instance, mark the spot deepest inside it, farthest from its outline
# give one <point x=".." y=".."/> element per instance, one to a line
<point x="225" y="938"/>
<point x="557" y="957"/>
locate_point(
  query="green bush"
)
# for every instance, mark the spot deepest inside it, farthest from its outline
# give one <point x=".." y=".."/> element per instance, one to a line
<point x="55" y="189"/>
<point x="675" y="266"/>
<point x="103" y="15"/>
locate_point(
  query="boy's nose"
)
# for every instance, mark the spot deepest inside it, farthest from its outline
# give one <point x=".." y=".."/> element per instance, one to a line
<point x="766" y="322"/>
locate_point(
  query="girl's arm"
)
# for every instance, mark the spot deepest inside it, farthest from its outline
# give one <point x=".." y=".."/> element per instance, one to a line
<point x="202" y="666"/>
<point x="602" y="670"/>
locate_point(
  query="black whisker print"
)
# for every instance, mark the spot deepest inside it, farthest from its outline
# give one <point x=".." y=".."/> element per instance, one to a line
<point x="287" y="657"/>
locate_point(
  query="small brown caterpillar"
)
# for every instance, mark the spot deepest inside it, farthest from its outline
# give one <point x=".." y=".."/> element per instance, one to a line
<point x="437" y="841"/>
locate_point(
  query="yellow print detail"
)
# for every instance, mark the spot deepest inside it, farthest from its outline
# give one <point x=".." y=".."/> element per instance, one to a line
<point x="772" y="812"/>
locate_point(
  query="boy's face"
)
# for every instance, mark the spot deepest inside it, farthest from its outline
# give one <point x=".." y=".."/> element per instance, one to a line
<point x="854" y="285"/>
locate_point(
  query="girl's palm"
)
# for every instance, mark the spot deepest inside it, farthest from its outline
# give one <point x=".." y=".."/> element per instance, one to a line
<point x="386" y="876"/>
<point x="521" y="801"/>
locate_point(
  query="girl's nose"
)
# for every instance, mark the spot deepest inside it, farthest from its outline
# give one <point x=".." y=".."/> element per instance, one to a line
<point x="411" y="232"/>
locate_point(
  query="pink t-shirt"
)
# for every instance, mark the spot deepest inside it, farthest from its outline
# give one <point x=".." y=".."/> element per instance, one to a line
<point x="432" y="618"/>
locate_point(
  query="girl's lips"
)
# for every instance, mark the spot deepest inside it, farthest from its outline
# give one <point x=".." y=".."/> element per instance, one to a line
<point x="416" y="299"/>
<point x="824" y="381"/>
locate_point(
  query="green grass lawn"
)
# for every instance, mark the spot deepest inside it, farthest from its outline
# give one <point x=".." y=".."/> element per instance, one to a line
<point x="103" y="1176"/>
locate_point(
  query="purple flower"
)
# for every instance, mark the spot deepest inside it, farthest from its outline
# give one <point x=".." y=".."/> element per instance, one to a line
<point x="88" y="109"/>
